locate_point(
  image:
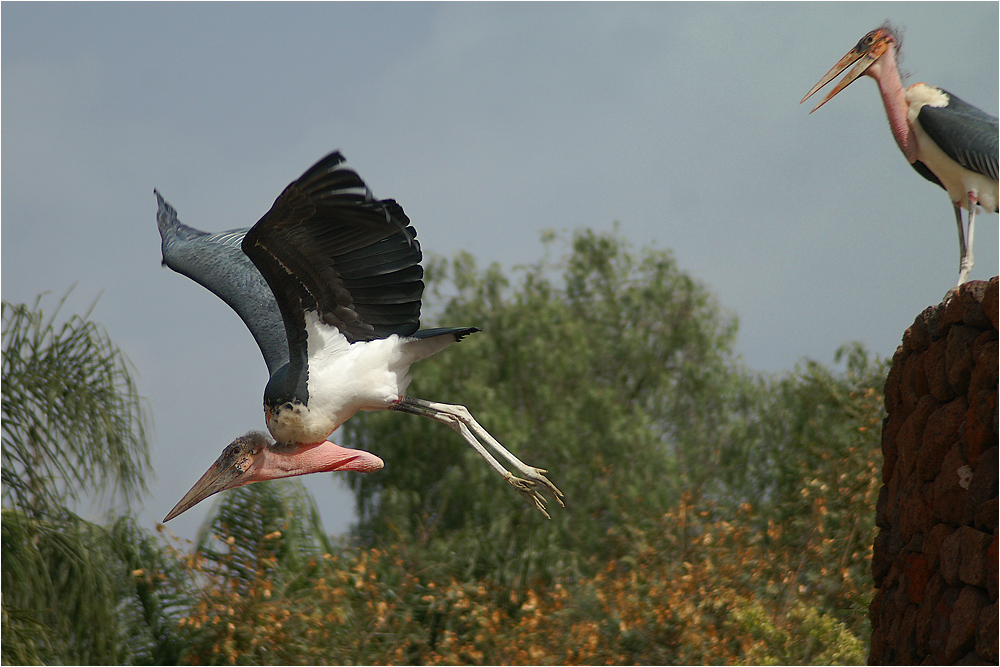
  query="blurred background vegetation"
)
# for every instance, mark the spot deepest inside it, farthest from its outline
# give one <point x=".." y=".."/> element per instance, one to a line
<point x="713" y="514"/>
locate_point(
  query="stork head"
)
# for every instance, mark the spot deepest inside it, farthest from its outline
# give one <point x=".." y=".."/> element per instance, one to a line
<point x="254" y="458"/>
<point x="865" y="53"/>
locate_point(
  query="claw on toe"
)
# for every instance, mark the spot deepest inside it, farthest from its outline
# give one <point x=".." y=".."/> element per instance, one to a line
<point x="544" y="482"/>
<point x="527" y="489"/>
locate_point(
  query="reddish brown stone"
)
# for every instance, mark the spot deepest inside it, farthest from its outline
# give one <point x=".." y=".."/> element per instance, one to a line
<point x="922" y="630"/>
<point x="965" y="306"/>
<point x="939" y="434"/>
<point x="958" y="356"/>
<point x="932" y="544"/>
<point x="910" y="436"/>
<point x="937" y="570"/>
<point x="990" y="302"/>
<point x="941" y="624"/>
<point x="981" y="420"/>
<point x="952" y="310"/>
<point x="891" y="396"/>
<point x="913" y="384"/>
<point x="890" y="449"/>
<point x="973" y="566"/>
<point x="984" y="374"/>
<point x="895" y="624"/>
<point x="896" y="542"/>
<point x="978" y="436"/>
<point x="892" y="498"/>
<point x="891" y="580"/>
<point x="932" y="593"/>
<point x="898" y="596"/>
<point x="991" y="573"/>
<point x="906" y="641"/>
<point x="881" y="560"/>
<point x="949" y="492"/>
<point x="986" y="516"/>
<point x="987" y="633"/>
<point x="935" y="371"/>
<point x="915" y="545"/>
<point x="951" y="558"/>
<point x="875" y="610"/>
<point x="970" y="658"/>
<point x="931" y="316"/>
<point x="917" y="337"/>
<point x="917" y="575"/>
<point x="877" y="644"/>
<point x="985" y="352"/>
<point x="985" y="405"/>
<point x="964" y="622"/>
<point x="984" y="483"/>
<point x="915" y="508"/>
<point x="981" y="349"/>
<point x="972" y="306"/>
<point x="882" y="507"/>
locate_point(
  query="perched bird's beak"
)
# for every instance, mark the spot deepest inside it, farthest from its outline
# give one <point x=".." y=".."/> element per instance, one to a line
<point x="254" y="458"/>
<point x="866" y="53"/>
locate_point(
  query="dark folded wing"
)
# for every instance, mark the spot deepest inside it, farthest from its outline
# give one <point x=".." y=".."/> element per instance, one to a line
<point x="965" y="133"/>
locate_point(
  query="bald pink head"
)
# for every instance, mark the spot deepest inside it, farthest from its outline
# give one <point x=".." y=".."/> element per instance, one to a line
<point x="875" y="56"/>
<point x="254" y="458"/>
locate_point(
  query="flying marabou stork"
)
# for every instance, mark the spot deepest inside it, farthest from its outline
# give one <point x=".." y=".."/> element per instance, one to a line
<point x="329" y="283"/>
<point x="948" y="141"/>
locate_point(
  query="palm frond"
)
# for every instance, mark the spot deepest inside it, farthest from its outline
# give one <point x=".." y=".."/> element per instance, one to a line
<point x="73" y="421"/>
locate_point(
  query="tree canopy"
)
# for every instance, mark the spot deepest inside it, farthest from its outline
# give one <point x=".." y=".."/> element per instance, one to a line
<point x="713" y="514"/>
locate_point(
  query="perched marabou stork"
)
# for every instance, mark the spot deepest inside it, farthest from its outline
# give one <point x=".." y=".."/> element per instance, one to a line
<point x="329" y="283"/>
<point x="948" y="141"/>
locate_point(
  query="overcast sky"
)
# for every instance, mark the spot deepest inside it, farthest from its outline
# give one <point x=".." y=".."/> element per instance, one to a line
<point x="488" y="123"/>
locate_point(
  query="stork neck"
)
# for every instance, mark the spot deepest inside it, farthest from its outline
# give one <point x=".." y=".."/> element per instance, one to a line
<point x="306" y="458"/>
<point x="886" y="73"/>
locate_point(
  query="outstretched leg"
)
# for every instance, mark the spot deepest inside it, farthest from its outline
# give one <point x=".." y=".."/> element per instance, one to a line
<point x="459" y="418"/>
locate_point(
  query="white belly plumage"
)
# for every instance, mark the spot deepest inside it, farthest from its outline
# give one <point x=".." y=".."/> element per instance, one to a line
<point x="957" y="180"/>
<point x="344" y="378"/>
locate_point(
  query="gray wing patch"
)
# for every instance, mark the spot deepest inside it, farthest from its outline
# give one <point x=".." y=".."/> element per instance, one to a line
<point x="218" y="263"/>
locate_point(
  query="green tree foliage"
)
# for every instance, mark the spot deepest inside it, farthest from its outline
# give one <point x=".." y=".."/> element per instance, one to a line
<point x="73" y="426"/>
<point x="76" y="592"/>
<point x="72" y="419"/>
<point x="714" y="515"/>
<point x="606" y="368"/>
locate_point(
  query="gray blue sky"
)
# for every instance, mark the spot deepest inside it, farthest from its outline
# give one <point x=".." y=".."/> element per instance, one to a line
<point x="488" y="123"/>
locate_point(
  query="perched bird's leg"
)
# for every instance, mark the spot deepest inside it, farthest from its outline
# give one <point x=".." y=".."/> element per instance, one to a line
<point x="459" y="418"/>
<point x="967" y="259"/>
<point x="962" y="273"/>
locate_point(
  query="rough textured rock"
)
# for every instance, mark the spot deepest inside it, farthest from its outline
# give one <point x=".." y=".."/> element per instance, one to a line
<point x="935" y="558"/>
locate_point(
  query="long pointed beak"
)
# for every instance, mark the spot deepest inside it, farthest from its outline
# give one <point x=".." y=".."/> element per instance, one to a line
<point x="217" y="478"/>
<point x="252" y="458"/>
<point x="865" y="59"/>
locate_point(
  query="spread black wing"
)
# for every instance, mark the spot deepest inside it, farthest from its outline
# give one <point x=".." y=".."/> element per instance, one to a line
<point x="328" y="246"/>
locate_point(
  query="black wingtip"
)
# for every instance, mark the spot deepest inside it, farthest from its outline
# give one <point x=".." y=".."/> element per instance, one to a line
<point x="458" y="332"/>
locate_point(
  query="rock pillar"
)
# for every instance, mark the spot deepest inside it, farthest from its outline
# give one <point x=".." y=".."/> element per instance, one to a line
<point x="935" y="557"/>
